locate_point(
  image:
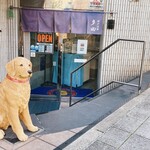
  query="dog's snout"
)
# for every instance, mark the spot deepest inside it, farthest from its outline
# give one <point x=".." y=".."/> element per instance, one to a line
<point x="29" y="71"/>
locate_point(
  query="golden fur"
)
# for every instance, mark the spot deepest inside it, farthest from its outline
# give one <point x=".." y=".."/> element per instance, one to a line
<point x="14" y="98"/>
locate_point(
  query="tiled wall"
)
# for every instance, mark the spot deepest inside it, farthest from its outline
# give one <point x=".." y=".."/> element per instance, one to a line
<point x="122" y="61"/>
<point x="9" y="34"/>
<point x="3" y="38"/>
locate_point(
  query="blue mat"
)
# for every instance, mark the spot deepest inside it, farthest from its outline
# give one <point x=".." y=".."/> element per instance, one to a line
<point x="65" y="91"/>
<point x="43" y="103"/>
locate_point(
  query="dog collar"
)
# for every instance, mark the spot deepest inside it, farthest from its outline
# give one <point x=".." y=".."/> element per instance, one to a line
<point x="16" y="80"/>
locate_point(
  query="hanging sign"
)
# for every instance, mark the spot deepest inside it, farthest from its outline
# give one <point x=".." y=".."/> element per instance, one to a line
<point x="44" y="38"/>
<point x="94" y="23"/>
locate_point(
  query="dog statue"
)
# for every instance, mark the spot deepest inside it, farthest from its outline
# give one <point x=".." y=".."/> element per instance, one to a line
<point x="14" y="98"/>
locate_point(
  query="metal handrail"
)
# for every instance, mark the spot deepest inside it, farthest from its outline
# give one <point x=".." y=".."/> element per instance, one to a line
<point x="99" y="53"/>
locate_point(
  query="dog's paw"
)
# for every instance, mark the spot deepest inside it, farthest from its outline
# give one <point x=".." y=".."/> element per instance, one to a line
<point x="22" y="137"/>
<point x="2" y="134"/>
<point x="33" y="128"/>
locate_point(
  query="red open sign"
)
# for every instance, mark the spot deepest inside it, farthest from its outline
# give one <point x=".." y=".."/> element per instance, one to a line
<point x="44" y="38"/>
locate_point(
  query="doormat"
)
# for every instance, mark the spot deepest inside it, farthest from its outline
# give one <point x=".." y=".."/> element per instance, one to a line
<point x="11" y="137"/>
<point x="65" y="91"/>
<point x="43" y="103"/>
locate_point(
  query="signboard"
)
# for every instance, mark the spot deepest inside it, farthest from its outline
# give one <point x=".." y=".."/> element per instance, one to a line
<point x="97" y="3"/>
<point x="44" y="38"/>
<point x="45" y="42"/>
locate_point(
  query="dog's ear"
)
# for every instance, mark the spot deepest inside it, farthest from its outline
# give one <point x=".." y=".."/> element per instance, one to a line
<point x="10" y="68"/>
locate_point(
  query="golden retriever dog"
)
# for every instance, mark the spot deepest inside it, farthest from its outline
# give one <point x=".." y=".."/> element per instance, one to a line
<point x="14" y="98"/>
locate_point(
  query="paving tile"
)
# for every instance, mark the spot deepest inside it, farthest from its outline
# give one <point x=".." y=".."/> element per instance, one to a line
<point x="145" y="105"/>
<point x="144" y="129"/>
<point x="128" y="124"/>
<point x="114" y="137"/>
<point x="57" y="139"/>
<point x="119" y="113"/>
<point x="37" y="145"/>
<point x="76" y="130"/>
<point x="8" y="145"/>
<point x="98" y="145"/>
<point x="136" y="142"/>
<point x="84" y="141"/>
<point x="139" y="113"/>
<point x="5" y="144"/>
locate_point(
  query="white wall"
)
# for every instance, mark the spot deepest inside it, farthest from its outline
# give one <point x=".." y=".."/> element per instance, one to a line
<point x="122" y="61"/>
<point x="3" y="37"/>
<point x="9" y="34"/>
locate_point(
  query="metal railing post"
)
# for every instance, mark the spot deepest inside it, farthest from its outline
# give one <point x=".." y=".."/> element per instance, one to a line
<point x="70" y="90"/>
<point x="141" y="69"/>
<point x="99" y="53"/>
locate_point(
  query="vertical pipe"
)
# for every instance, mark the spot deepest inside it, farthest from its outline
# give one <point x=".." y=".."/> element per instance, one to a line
<point x="70" y="90"/>
<point x="141" y="69"/>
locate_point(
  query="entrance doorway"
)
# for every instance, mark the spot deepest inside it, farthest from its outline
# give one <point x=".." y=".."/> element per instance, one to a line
<point x="68" y="51"/>
<point x="45" y="62"/>
<point x="77" y="49"/>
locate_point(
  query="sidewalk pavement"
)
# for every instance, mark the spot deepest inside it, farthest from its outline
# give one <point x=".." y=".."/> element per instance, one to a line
<point x="128" y="128"/>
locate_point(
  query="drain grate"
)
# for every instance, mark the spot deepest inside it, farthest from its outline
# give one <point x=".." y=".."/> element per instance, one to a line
<point x="11" y="137"/>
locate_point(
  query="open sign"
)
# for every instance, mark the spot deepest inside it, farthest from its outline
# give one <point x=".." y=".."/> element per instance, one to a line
<point x="44" y="38"/>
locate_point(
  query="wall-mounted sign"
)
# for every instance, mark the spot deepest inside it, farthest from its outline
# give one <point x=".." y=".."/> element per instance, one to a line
<point x="44" y="38"/>
<point x="97" y="3"/>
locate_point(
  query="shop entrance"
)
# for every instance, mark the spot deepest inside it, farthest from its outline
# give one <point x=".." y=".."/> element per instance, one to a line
<point x="74" y="50"/>
<point x="55" y="55"/>
<point x="77" y="49"/>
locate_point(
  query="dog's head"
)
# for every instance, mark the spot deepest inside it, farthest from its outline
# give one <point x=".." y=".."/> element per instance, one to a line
<point x="19" y="67"/>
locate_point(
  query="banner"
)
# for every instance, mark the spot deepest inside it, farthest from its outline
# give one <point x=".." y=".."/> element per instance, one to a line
<point x="62" y="21"/>
<point x="45" y="21"/>
<point x="78" y="23"/>
<point x="29" y="19"/>
<point x="94" y="23"/>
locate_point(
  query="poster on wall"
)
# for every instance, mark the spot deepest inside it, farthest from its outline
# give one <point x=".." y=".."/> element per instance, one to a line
<point x="32" y="54"/>
<point x="82" y="46"/>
